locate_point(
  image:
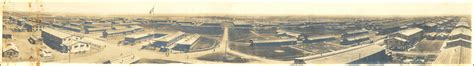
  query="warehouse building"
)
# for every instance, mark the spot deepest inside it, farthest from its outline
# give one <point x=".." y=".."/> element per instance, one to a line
<point x="58" y="40"/>
<point x="166" y="41"/>
<point x="317" y="39"/>
<point x="405" y="39"/>
<point x="32" y="27"/>
<point x="273" y="42"/>
<point x="355" y="37"/>
<point x="410" y="34"/>
<point x="186" y="43"/>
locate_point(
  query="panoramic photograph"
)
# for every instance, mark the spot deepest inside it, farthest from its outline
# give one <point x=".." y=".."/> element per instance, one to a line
<point x="236" y="32"/>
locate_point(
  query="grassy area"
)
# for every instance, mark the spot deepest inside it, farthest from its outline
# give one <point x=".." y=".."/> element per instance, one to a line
<point x="223" y="57"/>
<point x="156" y="61"/>
<point x="271" y="52"/>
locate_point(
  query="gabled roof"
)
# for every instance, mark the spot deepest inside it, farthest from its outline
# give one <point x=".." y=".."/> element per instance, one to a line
<point x="188" y="40"/>
<point x="356" y="31"/>
<point x="320" y="37"/>
<point x="463" y="24"/>
<point x="170" y="37"/>
<point x="56" y="33"/>
<point x="459" y="39"/>
<point x="9" y="46"/>
<point x="463" y="31"/>
<point x="401" y="39"/>
<point x="410" y="31"/>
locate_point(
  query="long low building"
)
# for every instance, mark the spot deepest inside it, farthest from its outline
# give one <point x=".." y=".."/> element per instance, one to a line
<point x="361" y="39"/>
<point x="458" y="42"/>
<point x="187" y="43"/>
<point x="289" y="33"/>
<point x="130" y="30"/>
<point x="32" y="27"/>
<point x="405" y="39"/>
<point x="454" y="55"/>
<point x="355" y="37"/>
<point x="315" y="39"/>
<point x="273" y="42"/>
<point x="243" y="25"/>
<point x="73" y="28"/>
<point x="134" y="38"/>
<point x="460" y="33"/>
<point x="98" y="29"/>
<point x="463" y="25"/>
<point x="167" y="40"/>
<point x="62" y="42"/>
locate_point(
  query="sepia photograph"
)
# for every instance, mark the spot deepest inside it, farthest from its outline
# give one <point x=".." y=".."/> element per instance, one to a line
<point x="230" y="32"/>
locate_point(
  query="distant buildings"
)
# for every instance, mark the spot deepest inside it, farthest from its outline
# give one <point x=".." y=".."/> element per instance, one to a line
<point x="355" y="37"/>
<point x="273" y="42"/>
<point x="404" y="39"/>
<point x="132" y="29"/>
<point x="243" y="25"/>
<point x="134" y="38"/>
<point x="429" y="27"/>
<point x="288" y="33"/>
<point x="10" y="50"/>
<point x="99" y="29"/>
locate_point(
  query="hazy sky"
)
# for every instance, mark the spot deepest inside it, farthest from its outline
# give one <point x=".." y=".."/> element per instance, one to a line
<point x="246" y="7"/>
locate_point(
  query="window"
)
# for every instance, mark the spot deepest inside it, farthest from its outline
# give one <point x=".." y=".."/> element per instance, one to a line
<point x="76" y="46"/>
